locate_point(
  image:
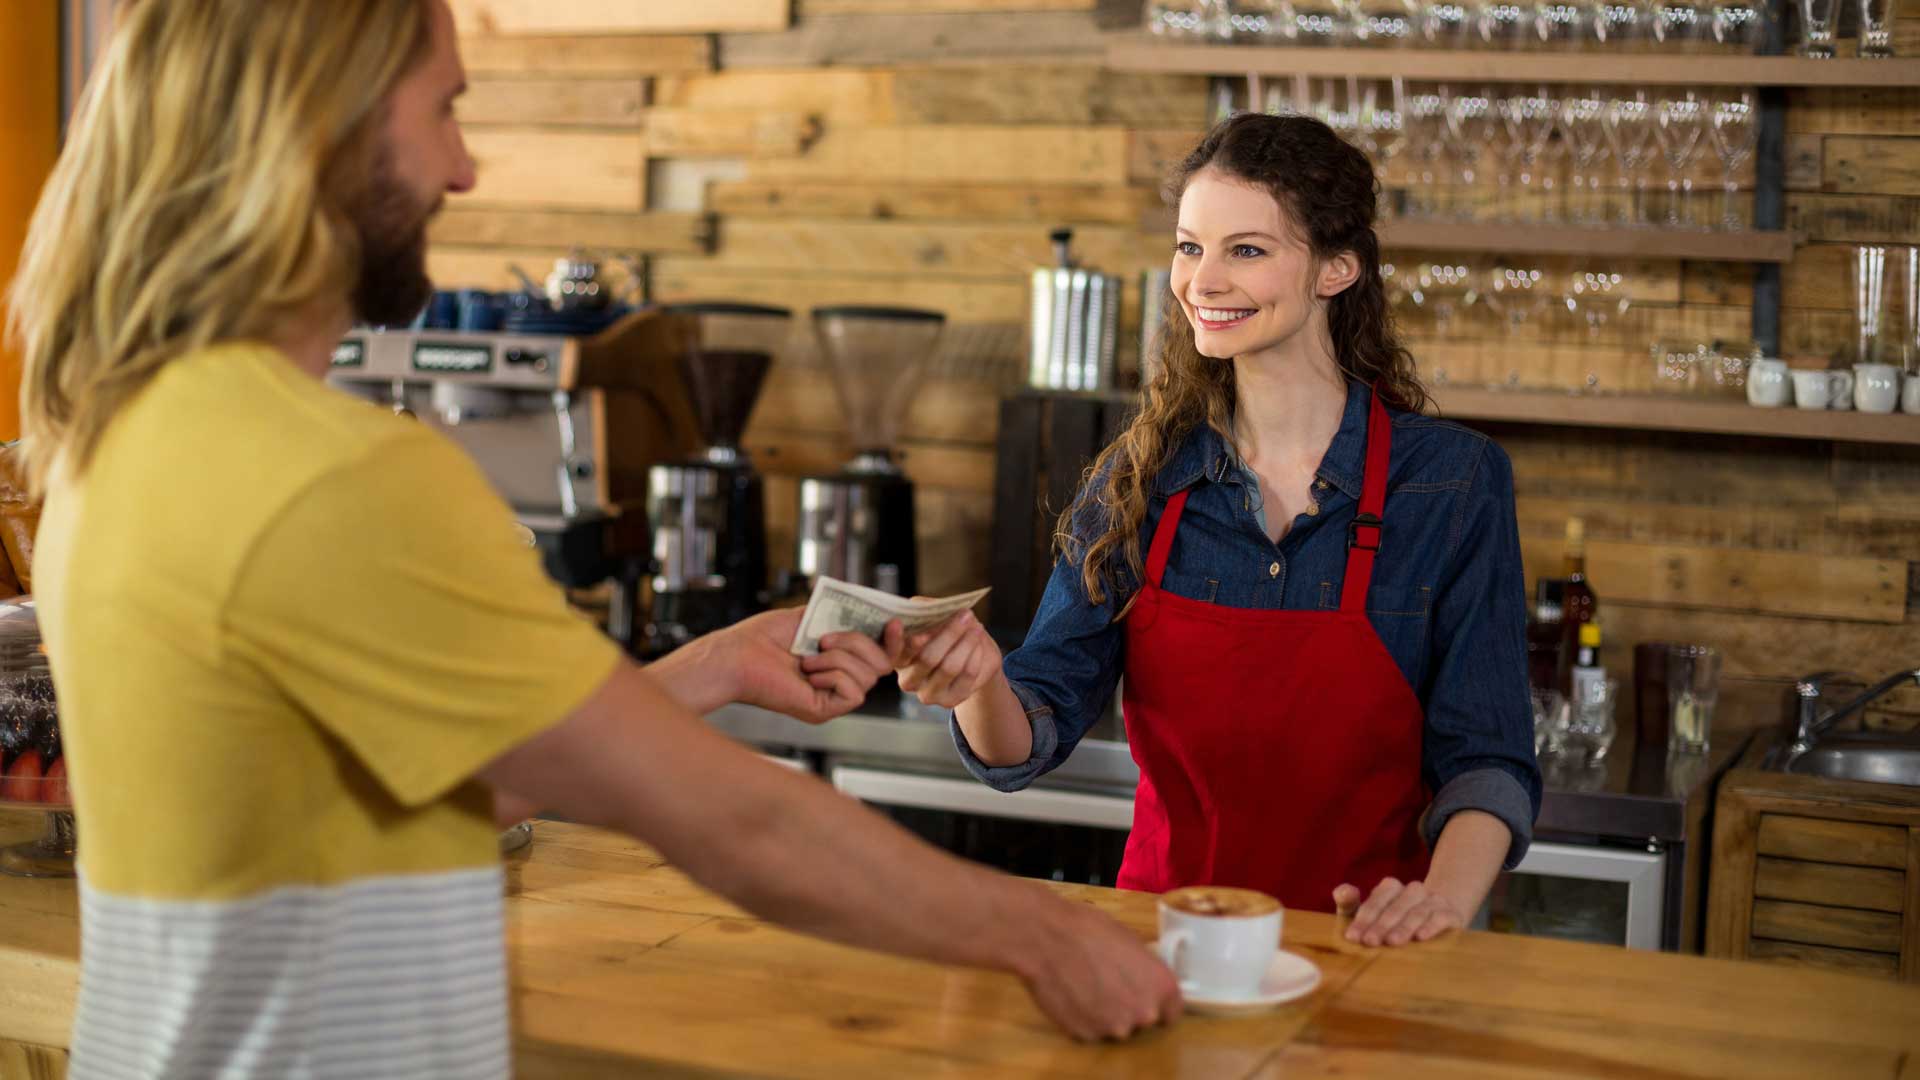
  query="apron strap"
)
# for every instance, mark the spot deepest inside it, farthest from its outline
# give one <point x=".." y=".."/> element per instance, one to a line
<point x="1163" y="536"/>
<point x="1363" y="535"/>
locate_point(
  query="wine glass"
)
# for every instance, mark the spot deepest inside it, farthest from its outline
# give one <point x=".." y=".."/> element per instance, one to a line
<point x="1473" y="125"/>
<point x="1818" y="19"/>
<point x="1530" y="118"/>
<point x="1517" y="295"/>
<point x="1679" y="25"/>
<point x="1735" y="132"/>
<point x="1506" y="24"/>
<point x="1561" y="24"/>
<point x="1630" y="135"/>
<point x="1445" y="291"/>
<point x="1263" y="22"/>
<point x="1876" y="29"/>
<point x="1680" y="120"/>
<point x="1738" y="24"/>
<point x="1621" y="24"/>
<point x="1384" y="23"/>
<point x="1583" y="117"/>
<point x="1447" y="24"/>
<point x="1383" y="130"/>
<point x="1427" y="140"/>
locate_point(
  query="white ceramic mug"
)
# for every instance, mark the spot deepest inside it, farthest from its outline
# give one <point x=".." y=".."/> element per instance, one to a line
<point x="1910" y="394"/>
<point x="1767" y="383"/>
<point x="1876" y="387"/>
<point x="1843" y="391"/>
<point x="1816" y="388"/>
<point x="1223" y="954"/>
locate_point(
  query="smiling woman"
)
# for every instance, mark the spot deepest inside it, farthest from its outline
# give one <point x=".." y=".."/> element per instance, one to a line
<point x="29" y="139"/>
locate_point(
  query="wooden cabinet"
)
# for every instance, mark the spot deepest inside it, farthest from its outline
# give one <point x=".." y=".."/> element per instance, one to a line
<point x="1822" y="873"/>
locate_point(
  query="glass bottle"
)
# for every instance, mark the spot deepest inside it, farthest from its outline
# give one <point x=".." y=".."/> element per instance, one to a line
<point x="1578" y="603"/>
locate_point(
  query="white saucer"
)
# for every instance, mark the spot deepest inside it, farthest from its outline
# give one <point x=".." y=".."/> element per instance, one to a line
<point x="1289" y="977"/>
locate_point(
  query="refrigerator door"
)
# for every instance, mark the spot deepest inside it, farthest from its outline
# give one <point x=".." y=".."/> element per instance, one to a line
<point x="1581" y="892"/>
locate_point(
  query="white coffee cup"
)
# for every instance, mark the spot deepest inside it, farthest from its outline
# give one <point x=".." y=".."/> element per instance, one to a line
<point x="1876" y="387"/>
<point x="1767" y="383"/>
<point x="1816" y="388"/>
<point x="1219" y="941"/>
<point x="1910" y="395"/>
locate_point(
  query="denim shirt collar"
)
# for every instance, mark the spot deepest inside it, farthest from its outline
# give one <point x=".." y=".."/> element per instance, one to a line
<point x="1205" y="454"/>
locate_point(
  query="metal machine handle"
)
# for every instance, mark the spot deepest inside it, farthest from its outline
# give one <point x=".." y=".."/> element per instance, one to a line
<point x="970" y="797"/>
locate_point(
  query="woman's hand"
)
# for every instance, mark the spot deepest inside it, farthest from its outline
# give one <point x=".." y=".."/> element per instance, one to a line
<point x="948" y="664"/>
<point x="1396" y="914"/>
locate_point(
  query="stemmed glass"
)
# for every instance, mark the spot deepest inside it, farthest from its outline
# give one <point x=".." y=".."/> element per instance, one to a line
<point x="1472" y="126"/>
<point x="1597" y="298"/>
<point x="1447" y="24"/>
<point x="1583" y="117"/>
<point x="1516" y="294"/>
<point x="1505" y="24"/>
<point x="1630" y="127"/>
<point x="1530" y="120"/>
<point x="1561" y="24"/>
<point x="1738" y="24"/>
<point x="1444" y="290"/>
<point x="1876" y="29"/>
<point x="1619" y="24"/>
<point x="1735" y="132"/>
<point x="1680" y="119"/>
<point x="1817" y="23"/>
<point x="1383" y="131"/>
<point x="1679" y="25"/>
<point x="1427" y="138"/>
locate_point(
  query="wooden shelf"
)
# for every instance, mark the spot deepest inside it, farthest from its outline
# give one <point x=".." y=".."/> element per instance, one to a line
<point x="1657" y="412"/>
<point x="1142" y="52"/>
<point x="1759" y="246"/>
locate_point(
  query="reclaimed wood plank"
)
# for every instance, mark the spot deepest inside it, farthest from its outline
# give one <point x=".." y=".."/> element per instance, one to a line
<point x="1729" y="928"/>
<point x="899" y="39"/>
<point x="1910" y="928"/>
<point x="1832" y="587"/>
<point x="1767" y="646"/>
<point x="960" y="154"/>
<point x="1076" y="204"/>
<point x="849" y="97"/>
<point x="605" y="103"/>
<point x="964" y="300"/>
<point x="997" y="251"/>
<point x="619" y="16"/>
<point x="749" y="133"/>
<point x="660" y="233"/>
<point x="809" y="8"/>
<point x="1880" y="166"/>
<point x="603" y="171"/>
<point x="590" y="56"/>
<point x="26" y="1061"/>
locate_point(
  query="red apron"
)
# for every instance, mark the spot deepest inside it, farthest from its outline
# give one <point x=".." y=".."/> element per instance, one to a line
<point x="1278" y="750"/>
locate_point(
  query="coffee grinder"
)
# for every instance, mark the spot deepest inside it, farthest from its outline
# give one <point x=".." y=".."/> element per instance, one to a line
<point x="708" y="512"/>
<point x="857" y="524"/>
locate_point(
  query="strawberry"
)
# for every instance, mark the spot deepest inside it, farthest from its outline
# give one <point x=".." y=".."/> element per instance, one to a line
<point x="22" y="780"/>
<point x="54" y="790"/>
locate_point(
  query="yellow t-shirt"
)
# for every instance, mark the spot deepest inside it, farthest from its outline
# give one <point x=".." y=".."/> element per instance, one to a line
<point x="286" y="630"/>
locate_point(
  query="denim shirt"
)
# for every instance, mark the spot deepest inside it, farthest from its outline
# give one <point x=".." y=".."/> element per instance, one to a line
<point x="1448" y="599"/>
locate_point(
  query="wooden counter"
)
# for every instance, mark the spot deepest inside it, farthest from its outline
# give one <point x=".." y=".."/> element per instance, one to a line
<point x="622" y="967"/>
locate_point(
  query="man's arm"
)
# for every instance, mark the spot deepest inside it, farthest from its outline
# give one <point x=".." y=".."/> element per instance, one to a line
<point x="792" y="850"/>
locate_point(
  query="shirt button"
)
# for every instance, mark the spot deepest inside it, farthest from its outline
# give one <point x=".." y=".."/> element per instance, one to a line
<point x="1313" y="509"/>
<point x="1274" y="570"/>
<point x="1321" y="484"/>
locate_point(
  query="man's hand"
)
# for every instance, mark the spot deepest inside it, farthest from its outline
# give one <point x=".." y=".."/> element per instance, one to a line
<point x="1097" y="980"/>
<point x="811" y="688"/>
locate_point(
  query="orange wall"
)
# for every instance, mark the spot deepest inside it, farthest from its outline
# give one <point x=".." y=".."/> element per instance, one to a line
<point x="29" y="139"/>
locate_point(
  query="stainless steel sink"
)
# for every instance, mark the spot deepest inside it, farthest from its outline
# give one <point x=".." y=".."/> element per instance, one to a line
<point x="1879" y="757"/>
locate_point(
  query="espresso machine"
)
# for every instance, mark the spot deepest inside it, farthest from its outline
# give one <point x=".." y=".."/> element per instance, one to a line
<point x="708" y="512"/>
<point x="563" y="425"/>
<point x="857" y="524"/>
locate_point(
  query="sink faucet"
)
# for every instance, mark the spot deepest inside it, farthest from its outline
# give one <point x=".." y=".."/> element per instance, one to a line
<point x="1815" y="722"/>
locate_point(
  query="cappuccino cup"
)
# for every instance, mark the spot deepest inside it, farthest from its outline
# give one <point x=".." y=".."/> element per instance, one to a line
<point x="1816" y="388"/>
<point x="1767" y="383"/>
<point x="1876" y="387"/>
<point x="1219" y="941"/>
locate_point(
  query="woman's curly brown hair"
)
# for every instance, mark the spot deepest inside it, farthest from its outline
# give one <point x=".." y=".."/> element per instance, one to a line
<point x="1328" y="190"/>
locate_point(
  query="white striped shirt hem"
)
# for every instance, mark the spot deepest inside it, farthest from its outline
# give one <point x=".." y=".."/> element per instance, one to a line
<point x="396" y="977"/>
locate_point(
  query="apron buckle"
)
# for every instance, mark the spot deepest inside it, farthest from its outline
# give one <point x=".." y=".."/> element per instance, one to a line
<point x="1364" y="521"/>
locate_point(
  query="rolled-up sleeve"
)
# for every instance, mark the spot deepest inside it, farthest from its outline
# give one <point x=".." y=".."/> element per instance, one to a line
<point x="1064" y="674"/>
<point x="1478" y="753"/>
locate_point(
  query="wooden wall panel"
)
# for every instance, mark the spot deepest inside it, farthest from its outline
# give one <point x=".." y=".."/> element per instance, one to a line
<point x="581" y="170"/>
<point x="917" y="152"/>
<point x="618" y="16"/>
<point x="29" y="142"/>
<point x="594" y="56"/>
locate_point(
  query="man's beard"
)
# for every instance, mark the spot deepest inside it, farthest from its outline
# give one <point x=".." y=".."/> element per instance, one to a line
<point x="393" y="285"/>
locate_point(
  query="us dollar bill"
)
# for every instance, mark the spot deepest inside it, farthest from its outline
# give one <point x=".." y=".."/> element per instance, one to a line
<point x="837" y="606"/>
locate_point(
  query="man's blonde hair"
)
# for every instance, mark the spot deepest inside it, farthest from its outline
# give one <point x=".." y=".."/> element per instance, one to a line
<point x="203" y="195"/>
